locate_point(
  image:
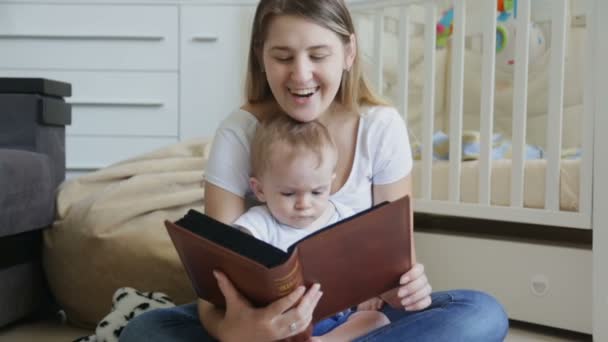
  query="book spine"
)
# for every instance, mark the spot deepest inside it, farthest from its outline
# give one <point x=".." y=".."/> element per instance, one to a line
<point x="287" y="283"/>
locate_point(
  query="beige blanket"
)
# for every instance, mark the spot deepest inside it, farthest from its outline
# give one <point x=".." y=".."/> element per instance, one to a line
<point x="109" y="231"/>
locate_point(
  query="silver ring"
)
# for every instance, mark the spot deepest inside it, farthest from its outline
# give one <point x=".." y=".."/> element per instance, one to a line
<point x="293" y="327"/>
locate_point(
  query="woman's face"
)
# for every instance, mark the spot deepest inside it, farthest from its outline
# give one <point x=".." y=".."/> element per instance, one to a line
<point x="304" y="63"/>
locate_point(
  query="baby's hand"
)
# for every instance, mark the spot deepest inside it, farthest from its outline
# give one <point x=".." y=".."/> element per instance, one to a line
<point x="373" y="304"/>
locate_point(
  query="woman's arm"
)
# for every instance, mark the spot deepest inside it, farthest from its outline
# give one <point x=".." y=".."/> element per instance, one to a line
<point x="392" y="191"/>
<point x="415" y="290"/>
<point x="225" y="207"/>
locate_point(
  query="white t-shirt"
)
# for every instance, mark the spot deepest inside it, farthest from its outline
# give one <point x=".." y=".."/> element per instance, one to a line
<point x="262" y="225"/>
<point x="382" y="155"/>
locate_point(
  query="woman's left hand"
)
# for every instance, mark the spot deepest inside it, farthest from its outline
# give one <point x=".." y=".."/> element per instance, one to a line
<point x="414" y="289"/>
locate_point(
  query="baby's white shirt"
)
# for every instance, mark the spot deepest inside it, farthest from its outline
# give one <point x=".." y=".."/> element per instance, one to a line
<point x="382" y="155"/>
<point x="262" y="225"/>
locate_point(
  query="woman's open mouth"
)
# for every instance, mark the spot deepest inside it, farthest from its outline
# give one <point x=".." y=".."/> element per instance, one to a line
<point x="303" y="93"/>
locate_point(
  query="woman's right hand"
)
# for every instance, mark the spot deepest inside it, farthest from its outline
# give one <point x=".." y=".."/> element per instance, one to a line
<point x="243" y="322"/>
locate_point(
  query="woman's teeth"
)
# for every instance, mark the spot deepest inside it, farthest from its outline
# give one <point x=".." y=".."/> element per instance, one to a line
<point x="305" y="92"/>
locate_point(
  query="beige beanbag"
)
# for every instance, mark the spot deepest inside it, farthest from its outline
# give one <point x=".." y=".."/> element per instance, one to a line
<point x="109" y="231"/>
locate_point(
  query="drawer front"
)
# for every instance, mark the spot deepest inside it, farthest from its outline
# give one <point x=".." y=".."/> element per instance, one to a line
<point x="89" y="37"/>
<point x="91" y="153"/>
<point x="537" y="283"/>
<point x="118" y="104"/>
<point x="214" y="45"/>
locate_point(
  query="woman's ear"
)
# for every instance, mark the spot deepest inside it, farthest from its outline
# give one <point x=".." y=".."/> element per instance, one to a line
<point x="350" y="52"/>
<point x="257" y="188"/>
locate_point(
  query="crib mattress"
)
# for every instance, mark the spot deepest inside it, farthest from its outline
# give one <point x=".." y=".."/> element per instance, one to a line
<point x="534" y="182"/>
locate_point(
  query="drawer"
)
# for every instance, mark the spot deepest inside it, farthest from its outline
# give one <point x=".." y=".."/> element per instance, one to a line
<point x="538" y="283"/>
<point x="88" y="37"/>
<point x="214" y="45"/>
<point x="91" y="153"/>
<point x="118" y="103"/>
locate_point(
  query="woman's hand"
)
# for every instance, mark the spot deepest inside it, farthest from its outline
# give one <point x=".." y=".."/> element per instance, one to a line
<point x="373" y="304"/>
<point x="243" y="322"/>
<point x="414" y="290"/>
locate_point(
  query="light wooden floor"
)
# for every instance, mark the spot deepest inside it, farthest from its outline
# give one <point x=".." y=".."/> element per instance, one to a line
<point x="52" y="330"/>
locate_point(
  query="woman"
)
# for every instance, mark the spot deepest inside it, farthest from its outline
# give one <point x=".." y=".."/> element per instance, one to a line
<point x="303" y="63"/>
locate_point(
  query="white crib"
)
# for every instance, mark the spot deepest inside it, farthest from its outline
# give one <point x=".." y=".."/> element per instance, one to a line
<point x="553" y="98"/>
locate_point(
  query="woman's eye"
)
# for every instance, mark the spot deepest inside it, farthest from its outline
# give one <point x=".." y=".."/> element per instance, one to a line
<point x="287" y="194"/>
<point x="317" y="57"/>
<point x="283" y="58"/>
<point x="317" y="193"/>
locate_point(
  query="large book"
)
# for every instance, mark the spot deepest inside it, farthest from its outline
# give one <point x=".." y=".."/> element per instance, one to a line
<point x="354" y="259"/>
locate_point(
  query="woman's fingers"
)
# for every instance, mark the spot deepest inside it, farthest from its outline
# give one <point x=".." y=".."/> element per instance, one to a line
<point x="280" y="306"/>
<point x="233" y="298"/>
<point x="414" y="273"/>
<point x="299" y="317"/>
<point x="418" y="300"/>
<point x="415" y="292"/>
<point x="413" y="286"/>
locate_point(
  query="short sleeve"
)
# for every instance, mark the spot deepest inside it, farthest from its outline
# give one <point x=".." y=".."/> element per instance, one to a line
<point x="393" y="158"/>
<point x="228" y="165"/>
<point x="257" y="221"/>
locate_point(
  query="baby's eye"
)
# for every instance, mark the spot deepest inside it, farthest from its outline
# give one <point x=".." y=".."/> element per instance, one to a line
<point x="287" y="194"/>
<point x="317" y="193"/>
<point x="318" y="57"/>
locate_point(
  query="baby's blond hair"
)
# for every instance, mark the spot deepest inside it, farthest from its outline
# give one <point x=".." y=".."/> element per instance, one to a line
<point x="297" y="136"/>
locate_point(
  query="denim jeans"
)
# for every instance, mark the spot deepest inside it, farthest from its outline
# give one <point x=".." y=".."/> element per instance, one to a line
<point x="459" y="315"/>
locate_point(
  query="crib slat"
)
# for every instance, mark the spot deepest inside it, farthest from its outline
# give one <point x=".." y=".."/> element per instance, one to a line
<point x="556" y="100"/>
<point x="487" y="102"/>
<point x="428" y="100"/>
<point x="456" y="99"/>
<point x="520" y="103"/>
<point x="378" y="49"/>
<point x="404" y="60"/>
<point x="586" y="174"/>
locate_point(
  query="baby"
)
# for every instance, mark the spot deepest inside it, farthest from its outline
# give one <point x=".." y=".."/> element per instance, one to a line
<point x="292" y="168"/>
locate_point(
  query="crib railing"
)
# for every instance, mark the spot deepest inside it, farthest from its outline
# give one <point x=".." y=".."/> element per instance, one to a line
<point x="557" y="13"/>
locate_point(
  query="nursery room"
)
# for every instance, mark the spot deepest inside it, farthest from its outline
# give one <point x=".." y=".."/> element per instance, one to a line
<point x="109" y="108"/>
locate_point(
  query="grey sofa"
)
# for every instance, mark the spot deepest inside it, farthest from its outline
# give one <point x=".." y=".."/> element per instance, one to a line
<point x="33" y="115"/>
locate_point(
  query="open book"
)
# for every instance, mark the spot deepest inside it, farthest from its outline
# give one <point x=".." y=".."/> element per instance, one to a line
<point x="355" y="259"/>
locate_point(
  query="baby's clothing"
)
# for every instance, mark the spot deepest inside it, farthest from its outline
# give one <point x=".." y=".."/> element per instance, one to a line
<point x="262" y="225"/>
<point x="382" y="155"/>
<point x="324" y="326"/>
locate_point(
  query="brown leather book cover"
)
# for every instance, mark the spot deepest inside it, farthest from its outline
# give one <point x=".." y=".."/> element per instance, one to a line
<point x="355" y="259"/>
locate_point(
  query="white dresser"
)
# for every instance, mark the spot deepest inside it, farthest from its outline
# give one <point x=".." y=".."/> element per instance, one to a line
<point x="144" y="74"/>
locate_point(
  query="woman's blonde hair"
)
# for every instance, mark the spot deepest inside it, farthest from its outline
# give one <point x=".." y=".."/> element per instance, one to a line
<point x="330" y="14"/>
<point x="296" y="136"/>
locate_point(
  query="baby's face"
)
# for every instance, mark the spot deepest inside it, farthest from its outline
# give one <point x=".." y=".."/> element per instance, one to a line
<point x="297" y="191"/>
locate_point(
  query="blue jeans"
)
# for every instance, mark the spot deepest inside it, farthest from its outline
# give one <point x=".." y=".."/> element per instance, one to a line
<point x="454" y="316"/>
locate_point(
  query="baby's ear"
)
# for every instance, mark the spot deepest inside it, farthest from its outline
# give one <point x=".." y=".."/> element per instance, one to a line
<point x="257" y="188"/>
